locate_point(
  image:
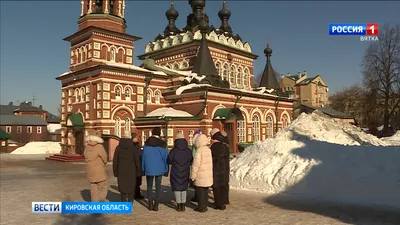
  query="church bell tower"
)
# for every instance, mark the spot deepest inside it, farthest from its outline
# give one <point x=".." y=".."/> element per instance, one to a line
<point x="101" y="37"/>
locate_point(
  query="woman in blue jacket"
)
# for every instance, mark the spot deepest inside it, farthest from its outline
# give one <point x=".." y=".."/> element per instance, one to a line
<point x="154" y="165"/>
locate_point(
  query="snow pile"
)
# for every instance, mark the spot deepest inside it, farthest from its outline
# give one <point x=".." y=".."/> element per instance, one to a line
<point x="52" y="128"/>
<point x="392" y="140"/>
<point x="168" y="112"/>
<point x="39" y="148"/>
<point x="316" y="157"/>
<point x="194" y="77"/>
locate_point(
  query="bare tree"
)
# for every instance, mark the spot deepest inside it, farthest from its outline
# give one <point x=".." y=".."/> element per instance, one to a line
<point x="381" y="69"/>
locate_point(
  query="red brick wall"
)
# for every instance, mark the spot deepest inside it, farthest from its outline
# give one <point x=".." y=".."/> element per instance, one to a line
<point x="24" y="136"/>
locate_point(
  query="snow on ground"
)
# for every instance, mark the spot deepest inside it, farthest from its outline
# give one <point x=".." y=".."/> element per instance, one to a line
<point x="52" y="128"/>
<point x="168" y="112"/>
<point x="318" y="158"/>
<point x="392" y="140"/>
<point x="39" y="148"/>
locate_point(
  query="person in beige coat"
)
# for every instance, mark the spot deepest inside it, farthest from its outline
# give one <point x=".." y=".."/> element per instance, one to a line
<point x="96" y="160"/>
<point x="202" y="171"/>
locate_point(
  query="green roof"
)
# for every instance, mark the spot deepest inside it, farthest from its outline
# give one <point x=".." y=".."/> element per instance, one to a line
<point x="228" y="114"/>
<point x="4" y="135"/>
<point x="76" y="120"/>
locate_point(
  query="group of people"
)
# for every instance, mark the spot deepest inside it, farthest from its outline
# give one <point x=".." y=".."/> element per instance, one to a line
<point x="203" y="166"/>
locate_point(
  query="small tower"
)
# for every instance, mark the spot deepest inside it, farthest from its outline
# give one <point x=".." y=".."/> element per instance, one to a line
<point x="107" y="14"/>
<point x="192" y="23"/>
<point x="171" y="15"/>
<point x="224" y="15"/>
<point x="269" y="79"/>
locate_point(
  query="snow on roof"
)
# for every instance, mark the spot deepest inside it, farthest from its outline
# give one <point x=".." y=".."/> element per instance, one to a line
<point x="181" y="89"/>
<point x="162" y="112"/>
<point x="314" y="153"/>
<point x="192" y="76"/>
<point x="52" y="128"/>
<point x="392" y="140"/>
<point x="128" y="66"/>
<point x="262" y="91"/>
<point x="185" y="73"/>
<point x="66" y="73"/>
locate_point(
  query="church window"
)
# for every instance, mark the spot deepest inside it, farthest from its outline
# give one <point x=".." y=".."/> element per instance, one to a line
<point x="148" y="96"/>
<point x="191" y="134"/>
<point x="246" y="78"/>
<point x="256" y="128"/>
<point x="241" y="127"/>
<point x="144" y="137"/>
<point x="270" y="126"/>
<point x="127" y="92"/>
<point x="82" y="94"/>
<point x="111" y="6"/>
<point x="99" y="6"/>
<point x="285" y="121"/>
<point x="112" y="55"/>
<point x="77" y="95"/>
<point x="225" y="72"/>
<point x="239" y="76"/>
<point x="117" y="127"/>
<point x="157" y="96"/>
<point x="232" y="74"/>
<point x="218" y="67"/>
<point x="118" y="92"/>
<point x="127" y="125"/>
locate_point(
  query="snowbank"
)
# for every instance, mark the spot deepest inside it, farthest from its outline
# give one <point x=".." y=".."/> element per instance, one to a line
<point x="168" y="112"/>
<point x="318" y="158"/>
<point x="52" y="128"/>
<point x="392" y="140"/>
<point x="39" y="148"/>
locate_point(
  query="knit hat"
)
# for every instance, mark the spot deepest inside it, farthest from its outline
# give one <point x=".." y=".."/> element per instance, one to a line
<point x="224" y="133"/>
<point x="180" y="136"/>
<point x="133" y="135"/>
<point x="214" y="131"/>
<point x="156" y="131"/>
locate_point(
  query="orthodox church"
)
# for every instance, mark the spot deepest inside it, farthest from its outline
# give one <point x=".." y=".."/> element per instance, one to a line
<point x="196" y="77"/>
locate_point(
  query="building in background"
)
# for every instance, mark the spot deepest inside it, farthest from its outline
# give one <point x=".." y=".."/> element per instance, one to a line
<point x="196" y="77"/>
<point x="26" y="123"/>
<point x="306" y="90"/>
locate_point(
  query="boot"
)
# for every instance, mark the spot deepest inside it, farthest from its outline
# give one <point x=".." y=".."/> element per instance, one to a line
<point x="150" y="204"/>
<point x="178" y="207"/>
<point x="182" y="207"/>
<point x="130" y="197"/>
<point x="124" y="197"/>
<point x="155" y="207"/>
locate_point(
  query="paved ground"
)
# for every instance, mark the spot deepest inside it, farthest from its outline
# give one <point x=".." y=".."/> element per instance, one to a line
<point x="33" y="179"/>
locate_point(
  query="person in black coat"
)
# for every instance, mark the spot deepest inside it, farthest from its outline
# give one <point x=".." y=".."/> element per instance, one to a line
<point x="126" y="167"/>
<point x="138" y="194"/>
<point x="225" y="140"/>
<point x="219" y="154"/>
<point x="180" y="158"/>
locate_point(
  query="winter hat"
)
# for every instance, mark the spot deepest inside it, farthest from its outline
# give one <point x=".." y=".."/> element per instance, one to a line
<point x="156" y="131"/>
<point x="180" y="136"/>
<point x="197" y="132"/>
<point x="214" y="131"/>
<point x="224" y="133"/>
<point x="133" y="135"/>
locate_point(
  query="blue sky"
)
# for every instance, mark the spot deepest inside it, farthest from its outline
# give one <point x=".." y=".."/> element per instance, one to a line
<point x="33" y="52"/>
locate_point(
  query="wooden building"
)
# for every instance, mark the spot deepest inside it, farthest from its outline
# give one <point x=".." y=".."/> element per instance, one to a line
<point x="196" y="77"/>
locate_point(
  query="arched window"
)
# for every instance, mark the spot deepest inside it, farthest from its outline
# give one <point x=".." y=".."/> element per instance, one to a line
<point x="241" y="127"/>
<point x="117" y="127"/>
<point x="77" y="95"/>
<point x="246" y="77"/>
<point x="127" y="92"/>
<point x="148" y="96"/>
<point x="112" y="55"/>
<point x="185" y="65"/>
<point x="99" y="6"/>
<point x="118" y="92"/>
<point x="157" y="96"/>
<point x="82" y="94"/>
<point x="270" y="126"/>
<point x="239" y="76"/>
<point x="111" y="6"/>
<point x="176" y="66"/>
<point x="127" y="124"/>
<point x="256" y="128"/>
<point x="285" y="121"/>
<point x="218" y="67"/>
<point x="168" y="66"/>
<point x="232" y="74"/>
<point x="225" y="72"/>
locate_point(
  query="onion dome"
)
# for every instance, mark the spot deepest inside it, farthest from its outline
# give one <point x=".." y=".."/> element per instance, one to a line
<point x="224" y="13"/>
<point x="172" y="13"/>
<point x="198" y="3"/>
<point x="268" y="51"/>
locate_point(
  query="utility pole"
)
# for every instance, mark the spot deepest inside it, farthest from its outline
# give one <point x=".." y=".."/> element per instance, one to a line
<point x="33" y="100"/>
